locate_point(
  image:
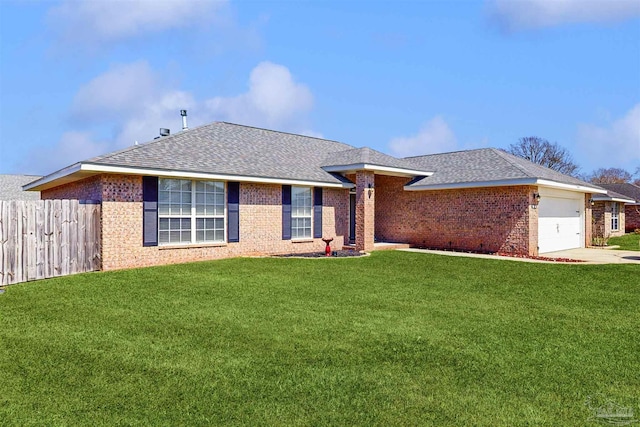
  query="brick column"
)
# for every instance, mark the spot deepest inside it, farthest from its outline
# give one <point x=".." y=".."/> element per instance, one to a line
<point x="588" y="221"/>
<point x="365" y="210"/>
<point x="532" y="210"/>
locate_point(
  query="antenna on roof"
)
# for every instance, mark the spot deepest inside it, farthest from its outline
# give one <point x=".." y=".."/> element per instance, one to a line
<point x="183" y="113"/>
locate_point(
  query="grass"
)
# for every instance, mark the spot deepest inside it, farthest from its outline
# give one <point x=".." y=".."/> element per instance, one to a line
<point x="628" y="242"/>
<point x="392" y="339"/>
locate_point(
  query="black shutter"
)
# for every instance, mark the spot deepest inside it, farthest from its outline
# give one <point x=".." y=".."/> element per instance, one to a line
<point x="150" y="211"/>
<point x="233" y="211"/>
<point x="317" y="212"/>
<point x="286" y="212"/>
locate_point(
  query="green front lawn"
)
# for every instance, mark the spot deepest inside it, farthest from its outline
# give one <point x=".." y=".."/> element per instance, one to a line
<point x="628" y="242"/>
<point x="396" y="338"/>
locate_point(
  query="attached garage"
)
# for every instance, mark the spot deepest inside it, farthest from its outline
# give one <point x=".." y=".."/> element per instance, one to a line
<point x="560" y="220"/>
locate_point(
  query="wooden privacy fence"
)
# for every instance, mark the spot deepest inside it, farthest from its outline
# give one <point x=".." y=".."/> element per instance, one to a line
<point x="47" y="238"/>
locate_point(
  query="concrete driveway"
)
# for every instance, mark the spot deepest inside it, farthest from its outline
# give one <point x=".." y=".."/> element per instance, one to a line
<point x="588" y="255"/>
<point x="598" y="256"/>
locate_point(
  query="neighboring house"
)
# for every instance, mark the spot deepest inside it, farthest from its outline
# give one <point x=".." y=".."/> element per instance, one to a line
<point x="11" y="187"/>
<point x="225" y="190"/>
<point x="628" y="206"/>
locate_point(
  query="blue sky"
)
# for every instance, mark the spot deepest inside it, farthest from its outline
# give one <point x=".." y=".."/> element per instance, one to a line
<point x="82" y="78"/>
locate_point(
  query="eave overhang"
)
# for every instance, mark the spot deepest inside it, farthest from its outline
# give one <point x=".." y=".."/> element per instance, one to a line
<point x="607" y="198"/>
<point x="80" y="171"/>
<point x="507" y="183"/>
<point x="379" y="169"/>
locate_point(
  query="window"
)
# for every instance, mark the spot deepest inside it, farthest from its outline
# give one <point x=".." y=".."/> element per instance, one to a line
<point x="615" y="217"/>
<point x="301" y="208"/>
<point x="190" y="211"/>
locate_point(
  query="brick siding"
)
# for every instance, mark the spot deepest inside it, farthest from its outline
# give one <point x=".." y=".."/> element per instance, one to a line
<point x="85" y="189"/>
<point x="365" y="210"/>
<point x="602" y="220"/>
<point x="498" y="219"/>
<point x="260" y="223"/>
<point x="632" y="218"/>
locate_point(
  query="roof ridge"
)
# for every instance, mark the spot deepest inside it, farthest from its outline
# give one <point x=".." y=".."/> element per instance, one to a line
<point x="282" y="132"/>
<point x="144" y="144"/>
<point x="448" y="152"/>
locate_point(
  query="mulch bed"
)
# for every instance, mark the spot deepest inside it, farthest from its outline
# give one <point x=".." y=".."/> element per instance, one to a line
<point x="334" y="254"/>
<point x="541" y="258"/>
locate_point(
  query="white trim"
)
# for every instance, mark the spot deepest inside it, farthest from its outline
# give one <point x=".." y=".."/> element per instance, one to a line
<point x="606" y="198"/>
<point x="375" y="168"/>
<point x="92" y="169"/>
<point x="506" y="183"/>
<point x="56" y="175"/>
<point x="571" y="187"/>
<point x="193" y="216"/>
<point x="615" y="207"/>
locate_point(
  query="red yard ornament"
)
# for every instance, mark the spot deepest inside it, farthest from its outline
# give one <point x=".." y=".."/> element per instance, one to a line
<point x="327" y="250"/>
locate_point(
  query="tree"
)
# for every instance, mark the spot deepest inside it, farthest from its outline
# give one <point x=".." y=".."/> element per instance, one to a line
<point x="542" y="152"/>
<point x="610" y="176"/>
<point x="637" y="174"/>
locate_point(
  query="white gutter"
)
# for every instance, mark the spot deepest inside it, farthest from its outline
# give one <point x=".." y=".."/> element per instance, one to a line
<point x="375" y="168"/>
<point x="93" y="169"/>
<point x="54" y="176"/>
<point x="614" y="199"/>
<point x="507" y="183"/>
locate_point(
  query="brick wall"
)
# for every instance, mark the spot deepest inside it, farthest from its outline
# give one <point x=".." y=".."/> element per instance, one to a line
<point x="601" y="212"/>
<point x="260" y="224"/>
<point x="85" y="189"/>
<point x="498" y="219"/>
<point x="632" y="218"/>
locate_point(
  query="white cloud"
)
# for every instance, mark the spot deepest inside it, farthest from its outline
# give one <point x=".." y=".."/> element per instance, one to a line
<point x="518" y="15"/>
<point x="434" y="137"/>
<point x="139" y="102"/>
<point x="616" y="144"/>
<point x="120" y="91"/>
<point x="274" y="99"/>
<point x="72" y="147"/>
<point x="135" y="96"/>
<point x="88" y="21"/>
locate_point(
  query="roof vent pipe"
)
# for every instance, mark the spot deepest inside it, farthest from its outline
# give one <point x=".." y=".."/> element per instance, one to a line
<point x="183" y="113"/>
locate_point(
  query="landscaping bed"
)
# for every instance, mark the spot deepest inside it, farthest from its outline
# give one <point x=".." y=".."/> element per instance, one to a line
<point x="334" y="254"/>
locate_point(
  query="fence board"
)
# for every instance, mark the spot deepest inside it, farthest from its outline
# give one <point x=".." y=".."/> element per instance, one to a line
<point x="28" y="228"/>
<point x="47" y="238"/>
<point x="39" y="238"/>
<point x="4" y="230"/>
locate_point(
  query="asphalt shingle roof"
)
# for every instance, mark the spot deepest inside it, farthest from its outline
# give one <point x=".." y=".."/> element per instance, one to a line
<point x="226" y="148"/>
<point x="365" y="155"/>
<point x="627" y="190"/>
<point x="484" y="165"/>
<point x="11" y="187"/>
<point x="236" y="150"/>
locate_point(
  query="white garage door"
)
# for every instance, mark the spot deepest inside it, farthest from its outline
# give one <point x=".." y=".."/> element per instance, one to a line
<point x="560" y="221"/>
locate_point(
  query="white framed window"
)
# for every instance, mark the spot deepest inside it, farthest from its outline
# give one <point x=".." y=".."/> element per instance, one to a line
<point x="190" y="211"/>
<point x="301" y="212"/>
<point x="615" y="217"/>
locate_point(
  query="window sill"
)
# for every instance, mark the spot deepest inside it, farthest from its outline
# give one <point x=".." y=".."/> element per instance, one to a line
<point x="302" y="240"/>
<point x="193" y="246"/>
